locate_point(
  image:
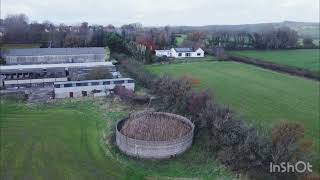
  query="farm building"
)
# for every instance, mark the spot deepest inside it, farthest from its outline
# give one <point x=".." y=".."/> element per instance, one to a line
<point x="16" y="76"/>
<point x="54" y="55"/>
<point x="93" y="88"/>
<point x="180" y="53"/>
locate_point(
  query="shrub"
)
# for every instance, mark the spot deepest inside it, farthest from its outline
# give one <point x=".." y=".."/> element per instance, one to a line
<point x="285" y="139"/>
<point x="192" y="80"/>
<point x="288" y="146"/>
<point x="160" y="59"/>
<point x="123" y="93"/>
<point x="136" y="70"/>
<point x="174" y="92"/>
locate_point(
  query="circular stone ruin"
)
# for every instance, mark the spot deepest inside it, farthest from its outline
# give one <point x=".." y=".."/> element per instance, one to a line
<point x="154" y="135"/>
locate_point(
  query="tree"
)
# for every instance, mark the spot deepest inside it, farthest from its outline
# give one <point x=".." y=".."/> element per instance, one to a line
<point x="72" y="41"/>
<point x="115" y="42"/>
<point x="16" y="27"/>
<point x="97" y="39"/>
<point x="308" y="42"/>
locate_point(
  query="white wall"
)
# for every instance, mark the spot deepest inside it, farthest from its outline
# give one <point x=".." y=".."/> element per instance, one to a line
<point x="183" y="54"/>
<point x="173" y="53"/>
<point x="161" y="53"/>
<point x="77" y="91"/>
<point x="34" y="81"/>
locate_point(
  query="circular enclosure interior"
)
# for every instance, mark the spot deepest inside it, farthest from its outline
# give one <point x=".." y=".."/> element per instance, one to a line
<point x="154" y="135"/>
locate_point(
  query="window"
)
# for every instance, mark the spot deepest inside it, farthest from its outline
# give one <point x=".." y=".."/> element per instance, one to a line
<point x="118" y="82"/>
<point x="199" y="54"/>
<point x="57" y="86"/>
<point x="81" y="84"/>
<point x="106" y="82"/>
<point x="130" y="81"/>
<point x="179" y="54"/>
<point x="67" y="85"/>
<point x="188" y="54"/>
<point x="96" y="91"/>
<point x="84" y="93"/>
<point x="95" y="83"/>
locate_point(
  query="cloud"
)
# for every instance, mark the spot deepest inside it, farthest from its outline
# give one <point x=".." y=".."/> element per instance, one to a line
<point x="165" y="12"/>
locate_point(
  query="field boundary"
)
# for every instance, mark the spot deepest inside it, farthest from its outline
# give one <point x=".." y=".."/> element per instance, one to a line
<point x="276" y="67"/>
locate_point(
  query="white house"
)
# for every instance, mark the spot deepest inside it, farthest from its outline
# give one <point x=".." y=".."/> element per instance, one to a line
<point x="180" y="53"/>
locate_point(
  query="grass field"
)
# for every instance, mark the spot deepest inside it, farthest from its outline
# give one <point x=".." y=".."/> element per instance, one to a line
<point x="65" y="141"/>
<point x="263" y="97"/>
<point x="303" y="58"/>
<point x="180" y="39"/>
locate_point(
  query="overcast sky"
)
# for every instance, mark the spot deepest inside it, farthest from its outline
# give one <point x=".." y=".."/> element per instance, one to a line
<point x="164" y="12"/>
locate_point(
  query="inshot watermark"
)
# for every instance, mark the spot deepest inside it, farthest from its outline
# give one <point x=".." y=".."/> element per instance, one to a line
<point x="287" y="167"/>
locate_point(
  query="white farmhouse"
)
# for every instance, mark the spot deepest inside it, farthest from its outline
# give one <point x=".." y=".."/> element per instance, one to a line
<point x="180" y="53"/>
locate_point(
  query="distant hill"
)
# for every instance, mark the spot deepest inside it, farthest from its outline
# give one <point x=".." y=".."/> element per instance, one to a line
<point x="303" y="28"/>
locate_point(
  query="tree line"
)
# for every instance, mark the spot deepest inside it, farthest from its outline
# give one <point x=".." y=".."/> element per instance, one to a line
<point x="18" y="29"/>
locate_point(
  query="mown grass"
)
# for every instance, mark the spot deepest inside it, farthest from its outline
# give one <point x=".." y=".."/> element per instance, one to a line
<point x="303" y="58"/>
<point x="65" y="140"/>
<point x="55" y="142"/>
<point x="263" y="97"/>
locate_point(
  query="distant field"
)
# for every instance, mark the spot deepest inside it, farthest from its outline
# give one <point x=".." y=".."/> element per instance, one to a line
<point x="181" y="39"/>
<point x="303" y="58"/>
<point x="64" y="141"/>
<point x="19" y="46"/>
<point x="261" y="96"/>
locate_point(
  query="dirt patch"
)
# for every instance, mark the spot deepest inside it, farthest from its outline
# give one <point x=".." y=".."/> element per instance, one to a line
<point x="154" y="127"/>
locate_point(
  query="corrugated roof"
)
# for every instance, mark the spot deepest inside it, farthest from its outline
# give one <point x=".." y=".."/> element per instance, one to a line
<point x="54" y="51"/>
<point x="89" y="81"/>
<point x="183" y="49"/>
<point x="63" y="65"/>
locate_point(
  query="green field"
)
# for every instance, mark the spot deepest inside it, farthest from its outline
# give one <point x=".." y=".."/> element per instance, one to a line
<point x="261" y="96"/>
<point x="304" y="58"/>
<point x="180" y="39"/>
<point x="64" y="140"/>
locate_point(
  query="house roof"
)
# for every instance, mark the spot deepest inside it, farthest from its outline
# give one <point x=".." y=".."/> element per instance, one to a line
<point x="183" y="49"/>
<point x="54" y="51"/>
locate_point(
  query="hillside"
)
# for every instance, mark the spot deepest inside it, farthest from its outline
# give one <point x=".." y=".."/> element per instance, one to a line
<point x="303" y="28"/>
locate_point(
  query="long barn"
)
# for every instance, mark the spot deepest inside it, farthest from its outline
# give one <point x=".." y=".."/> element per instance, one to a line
<point x="54" y="55"/>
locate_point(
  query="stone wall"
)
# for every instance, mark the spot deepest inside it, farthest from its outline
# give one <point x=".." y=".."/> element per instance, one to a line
<point x="54" y="59"/>
<point x="154" y="149"/>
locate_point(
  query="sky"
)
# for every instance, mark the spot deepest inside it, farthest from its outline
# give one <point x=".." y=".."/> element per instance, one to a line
<point x="164" y="12"/>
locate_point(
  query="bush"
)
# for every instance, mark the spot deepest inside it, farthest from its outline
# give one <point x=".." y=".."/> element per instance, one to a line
<point x="173" y="92"/>
<point x="192" y="80"/>
<point x="160" y="59"/>
<point x="123" y="93"/>
<point x="136" y="70"/>
<point x="197" y="102"/>
<point x="288" y="146"/>
<point x="286" y="138"/>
